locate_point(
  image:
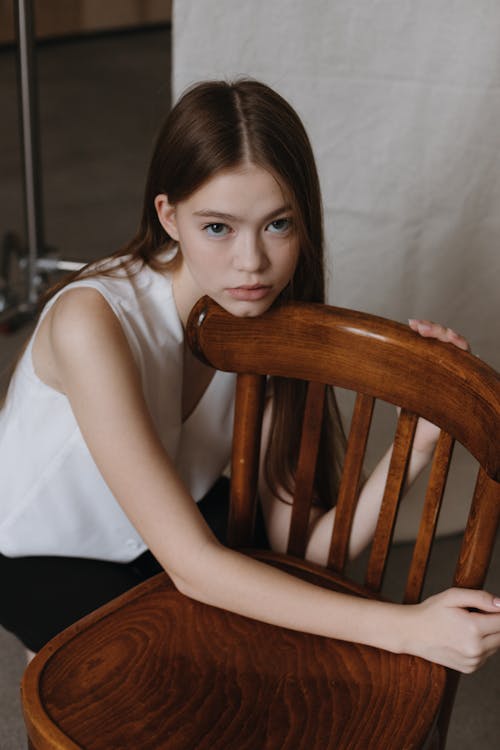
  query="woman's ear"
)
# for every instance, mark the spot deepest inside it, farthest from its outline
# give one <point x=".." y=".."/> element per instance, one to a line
<point x="166" y="216"/>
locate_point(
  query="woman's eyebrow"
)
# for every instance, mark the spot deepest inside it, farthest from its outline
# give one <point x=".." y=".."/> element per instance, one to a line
<point x="208" y="212"/>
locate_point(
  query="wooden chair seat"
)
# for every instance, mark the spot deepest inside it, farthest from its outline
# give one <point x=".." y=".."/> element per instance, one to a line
<point x="154" y="669"/>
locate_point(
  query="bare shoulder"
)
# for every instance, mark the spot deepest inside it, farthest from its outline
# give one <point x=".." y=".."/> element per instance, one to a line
<point x="80" y="311"/>
<point x="79" y="328"/>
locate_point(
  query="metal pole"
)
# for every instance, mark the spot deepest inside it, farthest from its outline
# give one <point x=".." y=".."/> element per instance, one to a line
<point x="30" y="138"/>
<point x="35" y="262"/>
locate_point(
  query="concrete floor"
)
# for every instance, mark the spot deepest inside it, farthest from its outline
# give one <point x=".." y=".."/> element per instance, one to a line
<point x="101" y="101"/>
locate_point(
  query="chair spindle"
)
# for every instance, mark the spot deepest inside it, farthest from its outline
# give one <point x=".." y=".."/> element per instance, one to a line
<point x="480" y="532"/>
<point x="430" y="516"/>
<point x="306" y="468"/>
<point x="394" y="486"/>
<point x="350" y="482"/>
<point x="249" y="410"/>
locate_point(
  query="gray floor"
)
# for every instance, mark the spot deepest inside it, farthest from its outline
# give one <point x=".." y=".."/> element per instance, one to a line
<point x="100" y="102"/>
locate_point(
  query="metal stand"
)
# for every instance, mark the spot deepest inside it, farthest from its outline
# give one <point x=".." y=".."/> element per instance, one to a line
<point x="35" y="263"/>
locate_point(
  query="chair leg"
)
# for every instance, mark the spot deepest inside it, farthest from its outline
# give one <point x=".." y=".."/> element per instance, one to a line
<point x="447" y="707"/>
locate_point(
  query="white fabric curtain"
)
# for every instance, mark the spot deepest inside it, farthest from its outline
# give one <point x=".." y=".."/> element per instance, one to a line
<point x="401" y="99"/>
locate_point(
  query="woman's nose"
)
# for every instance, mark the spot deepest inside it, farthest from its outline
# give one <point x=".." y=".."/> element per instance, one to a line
<point x="250" y="255"/>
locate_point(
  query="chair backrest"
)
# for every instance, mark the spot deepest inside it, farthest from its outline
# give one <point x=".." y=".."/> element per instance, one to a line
<point x="378" y="359"/>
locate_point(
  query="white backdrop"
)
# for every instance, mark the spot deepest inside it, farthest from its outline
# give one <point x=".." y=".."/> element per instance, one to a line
<point x="401" y="99"/>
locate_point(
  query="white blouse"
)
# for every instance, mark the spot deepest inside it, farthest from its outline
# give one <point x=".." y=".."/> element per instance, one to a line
<point x="53" y="500"/>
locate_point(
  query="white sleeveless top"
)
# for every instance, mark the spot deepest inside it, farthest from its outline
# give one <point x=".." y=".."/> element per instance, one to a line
<point x="53" y="500"/>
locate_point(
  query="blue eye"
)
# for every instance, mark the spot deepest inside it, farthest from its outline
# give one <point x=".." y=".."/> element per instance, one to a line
<point x="279" y="226"/>
<point x="216" y="230"/>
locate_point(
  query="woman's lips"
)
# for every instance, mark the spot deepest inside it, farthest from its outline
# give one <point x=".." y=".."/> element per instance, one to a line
<point x="249" y="293"/>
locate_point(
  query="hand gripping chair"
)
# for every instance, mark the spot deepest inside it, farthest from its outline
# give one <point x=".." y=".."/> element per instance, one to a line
<point x="154" y="670"/>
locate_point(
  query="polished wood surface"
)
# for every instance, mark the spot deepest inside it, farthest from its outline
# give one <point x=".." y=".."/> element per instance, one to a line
<point x="162" y="671"/>
<point x="154" y="669"/>
<point x="248" y="413"/>
<point x="350" y="480"/>
<point x="306" y="468"/>
<point x="366" y="354"/>
<point x="381" y="359"/>
<point x="403" y="440"/>
<point x="430" y="516"/>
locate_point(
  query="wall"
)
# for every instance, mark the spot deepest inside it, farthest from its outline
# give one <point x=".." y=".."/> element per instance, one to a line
<point x="402" y="102"/>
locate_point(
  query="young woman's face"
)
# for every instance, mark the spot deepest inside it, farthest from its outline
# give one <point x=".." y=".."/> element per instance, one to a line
<point x="237" y="238"/>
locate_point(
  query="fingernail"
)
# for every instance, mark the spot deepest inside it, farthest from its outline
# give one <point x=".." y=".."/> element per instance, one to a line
<point x="496" y="601"/>
<point x="411" y="321"/>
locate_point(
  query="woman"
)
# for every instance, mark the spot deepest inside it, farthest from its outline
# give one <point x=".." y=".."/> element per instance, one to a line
<point x="121" y="427"/>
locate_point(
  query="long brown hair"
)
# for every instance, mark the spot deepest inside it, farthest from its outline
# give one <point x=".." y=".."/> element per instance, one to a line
<point x="217" y="125"/>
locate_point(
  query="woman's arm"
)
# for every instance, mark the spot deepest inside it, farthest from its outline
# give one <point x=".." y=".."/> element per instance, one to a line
<point x="278" y="513"/>
<point x="96" y="370"/>
<point x="441" y="628"/>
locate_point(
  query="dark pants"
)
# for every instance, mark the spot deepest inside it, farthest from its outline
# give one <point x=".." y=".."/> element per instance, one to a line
<point x="41" y="596"/>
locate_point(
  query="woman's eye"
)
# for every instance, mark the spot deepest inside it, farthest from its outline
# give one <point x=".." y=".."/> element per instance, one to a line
<point x="279" y="226"/>
<point x="216" y="229"/>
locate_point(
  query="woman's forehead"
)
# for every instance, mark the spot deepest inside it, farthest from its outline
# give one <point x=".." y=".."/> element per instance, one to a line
<point x="239" y="189"/>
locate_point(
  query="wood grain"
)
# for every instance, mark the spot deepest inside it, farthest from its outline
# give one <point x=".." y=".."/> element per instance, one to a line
<point x="391" y="362"/>
<point x="393" y="493"/>
<point x="430" y="516"/>
<point x="156" y="670"/>
<point x="167" y="672"/>
<point x="306" y="469"/>
<point x="350" y="481"/>
<point x="248" y="413"/>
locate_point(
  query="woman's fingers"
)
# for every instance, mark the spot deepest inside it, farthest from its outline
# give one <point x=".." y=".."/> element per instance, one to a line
<point x="481" y="638"/>
<point x="427" y="434"/>
<point x="459" y="628"/>
<point x="488" y="627"/>
<point x="429" y="329"/>
<point x="491" y="644"/>
<point x="481" y="651"/>
<point x="477" y="599"/>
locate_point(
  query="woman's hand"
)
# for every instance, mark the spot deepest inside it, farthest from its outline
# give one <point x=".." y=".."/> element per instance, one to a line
<point x="427" y="433"/>
<point x="458" y="628"/>
<point x="430" y="330"/>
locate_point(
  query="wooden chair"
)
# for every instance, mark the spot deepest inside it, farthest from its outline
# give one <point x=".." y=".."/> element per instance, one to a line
<point x="156" y="670"/>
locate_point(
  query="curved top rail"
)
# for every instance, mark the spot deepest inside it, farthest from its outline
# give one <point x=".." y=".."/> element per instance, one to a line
<point x="366" y="353"/>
